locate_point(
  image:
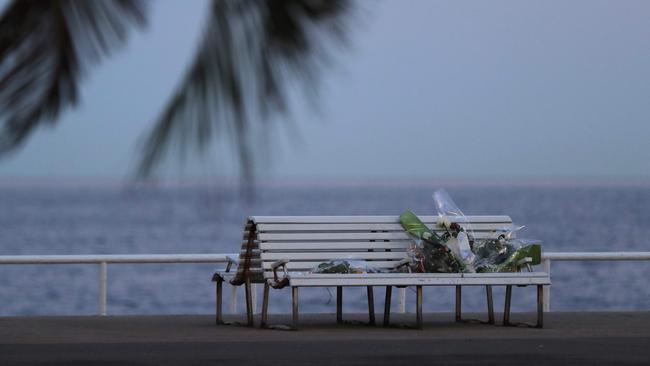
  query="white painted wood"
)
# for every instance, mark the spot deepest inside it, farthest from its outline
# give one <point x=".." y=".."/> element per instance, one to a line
<point x="598" y="256"/>
<point x="547" y="290"/>
<point x="103" y="289"/>
<point x="370" y="219"/>
<point x="309" y="241"/>
<point x="341" y="236"/>
<point x="307" y="266"/>
<point x="415" y="280"/>
<point x="333" y="236"/>
<point x="115" y="258"/>
<point x="254" y="289"/>
<point x="350" y="245"/>
<point x="233" y="300"/>
<point x="371" y="227"/>
<point x="505" y="275"/>
<point x="352" y="236"/>
<point x="325" y="256"/>
<point x="401" y="300"/>
<point x="469" y="276"/>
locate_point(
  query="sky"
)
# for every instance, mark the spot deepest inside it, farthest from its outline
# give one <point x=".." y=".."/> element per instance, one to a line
<point x="425" y="89"/>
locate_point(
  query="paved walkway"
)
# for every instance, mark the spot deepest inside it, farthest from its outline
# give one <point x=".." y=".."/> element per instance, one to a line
<point x="568" y="339"/>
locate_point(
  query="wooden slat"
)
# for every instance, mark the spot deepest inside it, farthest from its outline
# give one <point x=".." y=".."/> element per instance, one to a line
<point x="324" y="245"/>
<point x="370" y="227"/>
<point x="505" y="274"/>
<point x="341" y="237"/>
<point x="325" y="256"/>
<point x="333" y="236"/>
<point x="417" y="280"/>
<point x="366" y="219"/>
<point x="308" y="266"/>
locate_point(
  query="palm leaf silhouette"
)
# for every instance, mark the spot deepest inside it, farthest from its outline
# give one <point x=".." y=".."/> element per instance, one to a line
<point x="250" y="51"/>
<point x="45" y="48"/>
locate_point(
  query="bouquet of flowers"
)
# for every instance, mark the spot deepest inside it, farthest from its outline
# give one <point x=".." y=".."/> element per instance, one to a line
<point x="456" y="250"/>
<point x="430" y="253"/>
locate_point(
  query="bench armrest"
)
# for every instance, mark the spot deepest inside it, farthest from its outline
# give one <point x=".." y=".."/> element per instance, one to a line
<point x="216" y="276"/>
<point x="275" y="265"/>
<point x="231" y="261"/>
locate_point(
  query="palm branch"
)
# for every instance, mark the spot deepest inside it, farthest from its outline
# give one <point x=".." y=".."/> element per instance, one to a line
<point x="250" y="52"/>
<point x="45" y="49"/>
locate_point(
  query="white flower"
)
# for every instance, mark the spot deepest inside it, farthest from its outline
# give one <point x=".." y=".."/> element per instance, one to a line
<point x="445" y="222"/>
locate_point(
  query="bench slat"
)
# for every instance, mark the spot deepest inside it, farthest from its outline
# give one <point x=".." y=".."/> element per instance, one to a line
<point x="342" y="237"/>
<point x="424" y="275"/>
<point x="369" y="227"/>
<point x="333" y="236"/>
<point x="324" y="245"/>
<point x="308" y="266"/>
<point x="366" y="219"/>
<point x="325" y="256"/>
<point x="416" y="279"/>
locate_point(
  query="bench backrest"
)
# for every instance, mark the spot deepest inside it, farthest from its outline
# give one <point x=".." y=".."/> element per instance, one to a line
<point x="308" y="241"/>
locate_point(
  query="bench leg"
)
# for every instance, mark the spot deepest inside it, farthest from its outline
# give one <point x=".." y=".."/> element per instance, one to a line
<point x="540" y="306"/>
<point x="219" y="299"/>
<point x="265" y="305"/>
<point x="294" y="303"/>
<point x="506" y="309"/>
<point x="371" y="306"/>
<point x="459" y="299"/>
<point x="249" y="302"/>
<point x="418" y="305"/>
<point x="389" y="290"/>
<point x="339" y="304"/>
<point x="540" y="309"/>
<point x="490" y="304"/>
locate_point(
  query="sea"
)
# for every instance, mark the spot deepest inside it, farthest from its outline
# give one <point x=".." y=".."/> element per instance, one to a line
<point x="115" y="218"/>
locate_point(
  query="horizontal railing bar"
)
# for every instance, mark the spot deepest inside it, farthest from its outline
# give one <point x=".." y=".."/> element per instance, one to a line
<point x="220" y="258"/>
<point x="596" y="256"/>
<point x="116" y="258"/>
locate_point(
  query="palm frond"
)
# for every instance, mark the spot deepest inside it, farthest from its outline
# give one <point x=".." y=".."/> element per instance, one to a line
<point x="250" y="52"/>
<point x="45" y="47"/>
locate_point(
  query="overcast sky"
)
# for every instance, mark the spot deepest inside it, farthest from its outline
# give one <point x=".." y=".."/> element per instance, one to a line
<point x="426" y="89"/>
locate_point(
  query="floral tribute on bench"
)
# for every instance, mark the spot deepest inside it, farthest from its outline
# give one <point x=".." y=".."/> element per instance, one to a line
<point x="456" y="250"/>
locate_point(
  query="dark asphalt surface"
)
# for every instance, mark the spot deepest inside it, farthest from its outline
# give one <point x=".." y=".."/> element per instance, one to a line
<point x="567" y="339"/>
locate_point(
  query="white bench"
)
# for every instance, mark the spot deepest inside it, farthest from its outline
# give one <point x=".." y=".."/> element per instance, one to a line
<point x="289" y="247"/>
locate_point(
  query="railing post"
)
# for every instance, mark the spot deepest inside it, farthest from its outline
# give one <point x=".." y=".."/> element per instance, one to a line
<point x="102" y="288"/>
<point x="233" y="299"/>
<point x="547" y="289"/>
<point x="401" y="300"/>
<point x="254" y="297"/>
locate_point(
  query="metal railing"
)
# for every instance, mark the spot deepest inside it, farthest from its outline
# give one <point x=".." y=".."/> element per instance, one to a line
<point x="549" y="257"/>
<point x="104" y="260"/>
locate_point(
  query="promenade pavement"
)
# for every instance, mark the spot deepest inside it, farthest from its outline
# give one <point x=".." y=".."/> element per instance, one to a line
<point x="586" y="338"/>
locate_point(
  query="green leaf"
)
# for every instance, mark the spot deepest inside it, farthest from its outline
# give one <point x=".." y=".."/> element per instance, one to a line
<point x="414" y="226"/>
<point x="533" y="251"/>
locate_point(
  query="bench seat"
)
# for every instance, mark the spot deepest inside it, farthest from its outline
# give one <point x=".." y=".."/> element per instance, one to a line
<point x="419" y="279"/>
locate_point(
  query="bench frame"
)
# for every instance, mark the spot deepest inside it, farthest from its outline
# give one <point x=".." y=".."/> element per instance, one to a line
<point x="419" y="280"/>
<point x="253" y="268"/>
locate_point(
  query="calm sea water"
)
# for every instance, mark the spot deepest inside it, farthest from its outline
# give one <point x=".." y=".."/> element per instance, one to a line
<point x="87" y="219"/>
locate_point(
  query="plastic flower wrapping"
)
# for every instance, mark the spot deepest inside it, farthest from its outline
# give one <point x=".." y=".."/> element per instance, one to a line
<point x="453" y="246"/>
<point x="345" y="266"/>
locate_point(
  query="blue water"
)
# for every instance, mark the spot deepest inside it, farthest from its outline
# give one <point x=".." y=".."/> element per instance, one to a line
<point x="112" y="219"/>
